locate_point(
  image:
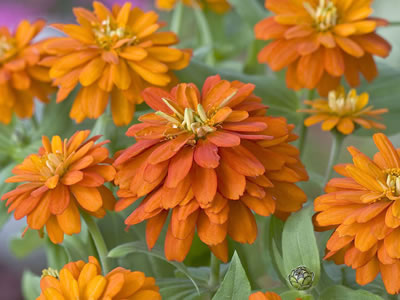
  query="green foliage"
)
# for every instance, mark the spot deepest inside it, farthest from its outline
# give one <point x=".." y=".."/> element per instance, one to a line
<point x="340" y="292"/>
<point x="30" y="285"/>
<point x="235" y="285"/>
<point x="23" y="246"/>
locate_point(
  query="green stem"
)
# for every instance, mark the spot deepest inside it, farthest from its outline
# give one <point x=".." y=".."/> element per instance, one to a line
<point x="35" y="122"/>
<point x="205" y="33"/>
<point x="394" y="23"/>
<point x="98" y="241"/>
<point x="177" y="18"/>
<point x="214" y="272"/>
<point x="303" y="128"/>
<point x="252" y="66"/>
<point x="337" y="143"/>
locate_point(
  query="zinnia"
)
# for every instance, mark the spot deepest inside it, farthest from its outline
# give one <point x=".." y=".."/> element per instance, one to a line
<point x="343" y="112"/>
<point x="218" y="6"/>
<point x="363" y="208"/>
<point x="265" y="296"/>
<point x="62" y="178"/>
<point x="84" y="281"/>
<point x="320" y="41"/>
<point x="211" y="159"/>
<point x="21" y="78"/>
<point x="116" y="54"/>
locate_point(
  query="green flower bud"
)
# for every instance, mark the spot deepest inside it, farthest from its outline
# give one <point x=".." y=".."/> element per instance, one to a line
<point x="301" y="278"/>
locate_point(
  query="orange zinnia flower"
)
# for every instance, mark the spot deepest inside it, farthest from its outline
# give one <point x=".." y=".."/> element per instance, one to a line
<point x="212" y="159"/>
<point x="80" y="280"/>
<point x="218" y="6"/>
<point x="21" y="78"/>
<point x="341" y="111"/>
<point x="264" y="296"/>
<point x="364" y="210"/>
<point x="320" y="41"/>
<point x="62" y="178"/>
<point x="117" y="53"/>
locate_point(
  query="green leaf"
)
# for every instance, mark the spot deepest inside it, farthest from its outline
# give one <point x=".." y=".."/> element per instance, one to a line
<point x="4" y="188"/>
<point x="275" y="246"/>
<point x="299" y="246"/>
<point x="293" y="295"/>
<point x="140" y="247"/>
<point x="56" y="255"/>
<point x="23" y="246"/>
<point x="274" y="93"/>
<point x="339" y="292"/>
<point x="30" y="285"/>
<point x="235" y="285"/>
<point x="250" y="11"/>
<point x="384" y="92"/>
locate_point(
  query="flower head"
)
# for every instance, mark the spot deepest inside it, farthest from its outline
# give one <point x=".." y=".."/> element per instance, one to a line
<point x="363" y="208"/>
<point x="342" y="110"/>
<point x="21" y="78"/>
<point x="211" y="158"/>
<point x="301" y="278"/>
<point x="80" y="280"/>
<point x="320" y="41"/>
<point x="114" y="53"/>
<point x="265" y="296"/>
<point x="218" y="6"/>
<point x="62" y="178"/>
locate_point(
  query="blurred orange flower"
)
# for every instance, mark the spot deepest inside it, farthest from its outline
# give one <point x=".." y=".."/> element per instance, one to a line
<point x="62" y="178"/>
<point x="21" y="78"/>
<point x="264" y="296"/>
<point x="211" y="158"/>
<point x="320" y="41"/>
<point x="84" y="281"/>
<point x="341" y="111"/>
<point x="218" y="6"/>
<point x="116" y="54"/>
<point x="364" y="210"/>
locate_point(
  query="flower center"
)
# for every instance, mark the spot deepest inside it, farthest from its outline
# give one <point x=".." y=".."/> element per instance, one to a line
<point x="393" y="181"/>
<point x="50" y="272"/>
<point x="52" y="164"/>
<point x="196" y="121"/>
<point x="325" y="15"/>
<point x="107" y="34"/>
<point x="343" y="104"/>
<point x="7" y="48"/>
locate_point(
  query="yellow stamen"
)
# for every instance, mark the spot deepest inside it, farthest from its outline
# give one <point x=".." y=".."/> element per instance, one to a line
<point x="393" y="181"/>
<point x="7" y="48"/>
<point x="50" y="272"/>
<point x="325" y="14"/>
<point x="343" y="104"/>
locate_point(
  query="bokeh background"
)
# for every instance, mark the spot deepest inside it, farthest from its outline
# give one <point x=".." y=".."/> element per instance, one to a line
<point x="60" y="11"/>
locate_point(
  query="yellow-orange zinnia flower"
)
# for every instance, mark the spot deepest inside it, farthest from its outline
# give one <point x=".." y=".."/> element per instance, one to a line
<point x="84" y="281"/>
<point x="342" y="110"/>
<point x="211" y="158"/>
<point x="364" y="210"/>
<point x="112" y="54"/>
<point x="218" y="6"/>
<point x="320" y="41"/>
<point x="265" y="296"/>
<point x="62" y="178"/>
<point x="21" y="78"/>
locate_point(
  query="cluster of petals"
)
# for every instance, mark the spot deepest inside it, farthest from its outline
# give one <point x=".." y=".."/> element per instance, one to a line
<point x="212" y="159"/>
<point x="343" y="112"/>
<point x="112" y="54"/>
<point x="84" y="281"/>
<point x="320" y="41"/>
<point x="265" y="296"/>
<point x="21" y="77"/>
<point x="64" y="177"/>
<point x="363" y="208"/>
<point x="218" y="6"/>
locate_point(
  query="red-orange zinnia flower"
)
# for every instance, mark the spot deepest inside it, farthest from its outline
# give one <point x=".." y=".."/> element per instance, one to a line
<point x="320" y="41"/>
<point x="218" y="6"/>
<point x="84" y="281"/>
<point x="21" y="78"/>
<point x="211" y="158"/>
<point x="364" y="210"/>
<point x="116" y="54"/>
<point x="265" y="296"/>
<point x="343" y="112"/>
<point x="62" y="178"/>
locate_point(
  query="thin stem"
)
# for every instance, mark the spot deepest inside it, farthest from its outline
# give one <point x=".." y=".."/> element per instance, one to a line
<point x="252" y="66"/>
<point x="98" y="241"/>
<point x="304" y="129"/>
<point x="337" y="143"/>
<point x="214" y="272"/>
<point x="177" y="17"/>
<point x="35" y="122"/>
<point x="394" y="23"/>
<point x="205" y="33"/>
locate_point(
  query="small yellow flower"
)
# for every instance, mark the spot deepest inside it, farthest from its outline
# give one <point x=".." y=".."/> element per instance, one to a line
<point x="342" y="110"/>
